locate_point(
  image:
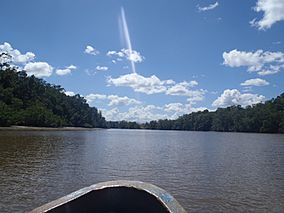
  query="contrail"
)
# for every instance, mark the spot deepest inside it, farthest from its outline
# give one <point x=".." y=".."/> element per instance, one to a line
<point x="127" y="37"/>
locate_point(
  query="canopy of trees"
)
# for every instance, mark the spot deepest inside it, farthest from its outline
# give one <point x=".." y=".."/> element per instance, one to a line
<point x="31" y="101"/>
<point x="265" y="117"/>
<point x="123" y="125"/>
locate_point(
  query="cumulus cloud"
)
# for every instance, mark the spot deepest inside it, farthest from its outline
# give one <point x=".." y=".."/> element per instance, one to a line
<point x="38" y="69"/>
<point x="209" y="7"/>
<point x="196" y="95"/>
<point x="234" y="97"/>
<point x="92" y="97"/>
<point x="264" y="63"/>
<point x="272" y="69"/>
<point x="111" y="114"/>
<point x="143" y="113"/>
<point x="255" y="82"/>
<point x="113" y="100"/>
<point x="181" y="89"/>
<point x="116" y="100"/>
<point x="91" y="50"/>
<point x="174" y="107"/>
<point x="66" y="71"/>
<point x="101" y="68"/>
<point x="17" y="56"/>
<point x="153" y="85"/>
<point x="174" y="110"/>
<point x="112" y="53"/>
<point x="139" y="83"/>
<point x="131" y="55"/>
<point x="170" y="81"/>
<point x="69" y="93"/>
<point x="185" y="89"/>
<point x="136" y="113"/>
<point x="273" y="12"/>
<point x="146" y="113"/>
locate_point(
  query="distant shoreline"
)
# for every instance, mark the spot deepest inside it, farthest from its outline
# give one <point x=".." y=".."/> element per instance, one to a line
<point x="32" y="128"/>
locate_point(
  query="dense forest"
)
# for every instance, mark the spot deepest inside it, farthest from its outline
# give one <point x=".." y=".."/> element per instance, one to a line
<point x="31" y="101"/>
<point x="265" y="117"/>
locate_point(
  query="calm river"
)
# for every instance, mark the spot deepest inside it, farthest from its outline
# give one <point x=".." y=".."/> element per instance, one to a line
<point x="205" y="171"/>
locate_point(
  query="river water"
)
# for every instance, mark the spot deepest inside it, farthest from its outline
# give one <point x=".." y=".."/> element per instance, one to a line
<point x="204" y="171"/>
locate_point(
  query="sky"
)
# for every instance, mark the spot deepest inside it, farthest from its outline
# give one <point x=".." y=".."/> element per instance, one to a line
<point x="153" y="59"/>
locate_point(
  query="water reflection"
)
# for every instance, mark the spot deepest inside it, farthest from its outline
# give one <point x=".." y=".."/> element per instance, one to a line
<point x="204" y="171"/>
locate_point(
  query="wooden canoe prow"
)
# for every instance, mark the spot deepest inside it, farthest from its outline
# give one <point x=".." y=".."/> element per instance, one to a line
<point x="115" y="196"/>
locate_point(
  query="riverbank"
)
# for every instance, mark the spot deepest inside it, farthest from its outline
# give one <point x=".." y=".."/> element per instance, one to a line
<point x="31" y="128"/>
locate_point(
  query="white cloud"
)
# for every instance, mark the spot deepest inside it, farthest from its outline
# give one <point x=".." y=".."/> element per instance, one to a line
<point x="133" y="55"/>
<point x="196" y="95"/>
<point x="174" y="110"/>
<point x="101" y="68"/>
<point x="136" y="113"/>
<point x="273" y="12"/>
<point x="66" y="71"/>
<point x="247" y="89"/>
<point x="209" y="7"/>
<point x="69" y="93"/>
<point x="234" y="97"/>
<point x="272" y="69"/>
<point x="111" y="114"/>
<point x="193" y="83"/>
<point x="145" y="113"/>
<point x="92" y="97"/>
<point x="153" y="85"/>
<point x="114" y="100"/>
<point x="174" y="107"/>
<point x="115" y="53"/>
<point x="170" y="81"/>
<point x="38" y="69"/>
<point x="185" y="89"/>
<point x="139" y="83"/>
<point x="255" y="82"/>
<point x="181" y="89"/>
<point x="264" y="63"/>
<point x="17" y="56"/>
<point x="91" y="50"/>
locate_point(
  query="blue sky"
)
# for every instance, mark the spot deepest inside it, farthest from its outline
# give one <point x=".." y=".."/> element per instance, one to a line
<point x="188" y="55"/>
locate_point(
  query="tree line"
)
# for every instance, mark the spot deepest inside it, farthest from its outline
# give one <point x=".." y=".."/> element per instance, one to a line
<point x="31" y="101"/>
<point x="265" y="117"/>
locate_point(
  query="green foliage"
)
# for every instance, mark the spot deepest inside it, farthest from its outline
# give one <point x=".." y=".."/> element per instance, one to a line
<point x="123" y="125"/>
<point x="33" y="102"/>
<point x="263" y="117"/>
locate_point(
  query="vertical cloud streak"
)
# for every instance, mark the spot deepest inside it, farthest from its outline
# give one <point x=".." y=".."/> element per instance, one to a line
<point x="126" y="37"/>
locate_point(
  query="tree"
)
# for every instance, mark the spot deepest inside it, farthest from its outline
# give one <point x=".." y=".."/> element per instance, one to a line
<point x="27" y="100"/>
